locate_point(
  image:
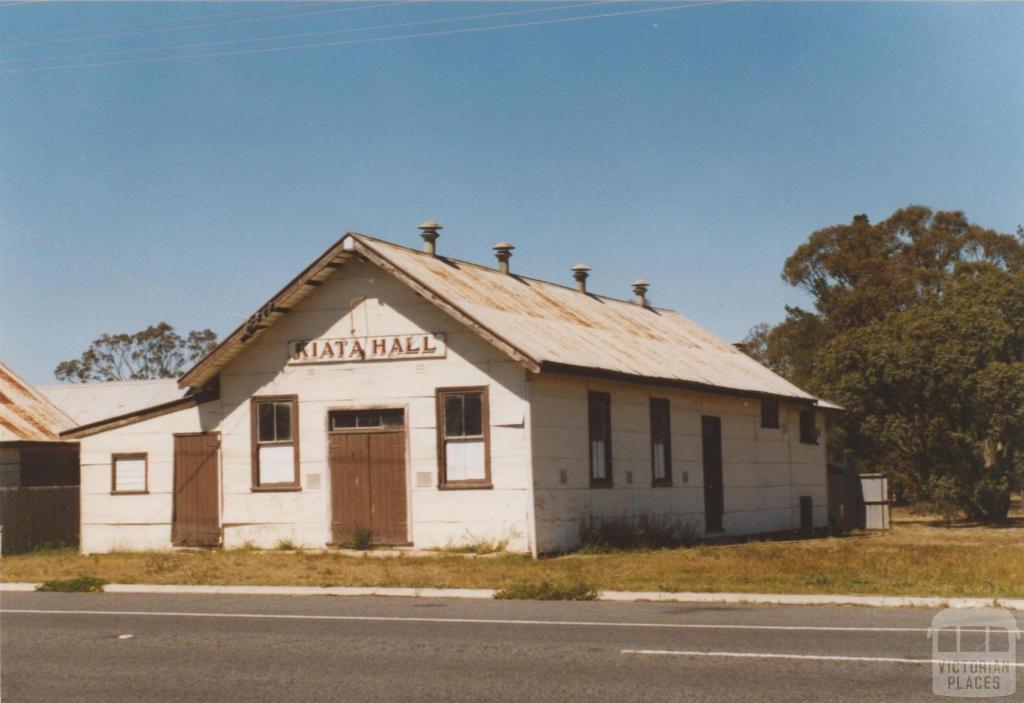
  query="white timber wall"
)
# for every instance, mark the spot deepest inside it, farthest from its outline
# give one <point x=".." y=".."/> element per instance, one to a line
<point x="129" y="522"/>
<point x="765" y="471"/>
<point x="361" y="300"/>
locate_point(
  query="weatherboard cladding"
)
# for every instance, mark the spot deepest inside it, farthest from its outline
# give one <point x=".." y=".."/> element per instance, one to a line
<point x="543" y="325"/>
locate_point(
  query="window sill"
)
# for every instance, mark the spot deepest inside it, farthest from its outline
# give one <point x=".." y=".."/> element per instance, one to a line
<point x="276" y="489"/>
<point x="771" y="427"/>
<point x="129" y="493"/>
<point x="602" y="484"/>
<point x="661" y="484"/>
<point x="464" y="486"/>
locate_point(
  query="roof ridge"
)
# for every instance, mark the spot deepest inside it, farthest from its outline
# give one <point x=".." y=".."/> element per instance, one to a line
<point x="493" y="270"/>
<point x="93" y="384"/>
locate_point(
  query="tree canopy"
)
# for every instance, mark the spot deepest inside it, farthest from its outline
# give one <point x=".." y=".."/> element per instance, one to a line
<point x="155" y="352"/>
<point x="918" y="331"/>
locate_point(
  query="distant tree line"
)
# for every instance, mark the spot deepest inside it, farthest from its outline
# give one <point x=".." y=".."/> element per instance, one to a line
<point x="155" y="352"/>
<point x="918" y="331"/>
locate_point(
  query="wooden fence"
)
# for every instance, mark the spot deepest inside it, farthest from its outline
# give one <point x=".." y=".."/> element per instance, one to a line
<point x="37" y="518"/>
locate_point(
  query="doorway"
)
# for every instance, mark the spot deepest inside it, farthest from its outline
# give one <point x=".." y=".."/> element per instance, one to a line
<point x="368" y="484"/>
<point x="714" y="493"/>
<point x="196" y="521"/>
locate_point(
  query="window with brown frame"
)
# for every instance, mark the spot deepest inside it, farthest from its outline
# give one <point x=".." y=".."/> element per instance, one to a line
<point x="661" y="442"/>
<point x="129" y="473"/>
<point x="463" y="438"/>
<point x="808" y="430"/>
<point x="599" y="413"/>
<point x="770" y="413"/>
<point x="275" y="442"/>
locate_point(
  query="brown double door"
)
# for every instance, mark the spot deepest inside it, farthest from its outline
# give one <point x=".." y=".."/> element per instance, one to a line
<point x="368" y="492"/>
<point x="196" y="490"/>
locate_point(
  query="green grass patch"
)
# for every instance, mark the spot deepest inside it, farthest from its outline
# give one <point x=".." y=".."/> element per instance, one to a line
<point x="360" y="539"/>
<point x="919" y="556"/>
<point x="78" y="584"/>
<point x="480" y="546"/>
<point x="545" y="590"/>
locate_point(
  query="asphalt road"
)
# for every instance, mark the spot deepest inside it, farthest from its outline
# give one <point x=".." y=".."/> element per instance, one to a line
<point x="107" y="647"/>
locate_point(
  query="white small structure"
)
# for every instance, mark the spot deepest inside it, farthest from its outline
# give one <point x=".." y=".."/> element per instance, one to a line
<point x="428" y="401"/>
<point x="875" y="489"/>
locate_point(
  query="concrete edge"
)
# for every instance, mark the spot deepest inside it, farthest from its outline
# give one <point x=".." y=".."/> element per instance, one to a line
<point x="615" y="596"/>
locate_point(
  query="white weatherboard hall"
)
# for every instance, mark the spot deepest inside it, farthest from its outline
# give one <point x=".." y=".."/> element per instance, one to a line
<point x="432" y="402"/>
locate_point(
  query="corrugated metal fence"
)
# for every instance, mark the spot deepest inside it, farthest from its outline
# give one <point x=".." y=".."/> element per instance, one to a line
<point x="38" y="517"/>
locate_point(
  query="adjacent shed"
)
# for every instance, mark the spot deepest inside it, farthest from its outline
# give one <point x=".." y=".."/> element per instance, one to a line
<point x="32" y="452"/>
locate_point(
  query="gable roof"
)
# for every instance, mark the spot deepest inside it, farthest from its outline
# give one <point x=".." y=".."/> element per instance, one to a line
<point x="25" y="415"/>
<point x="544" y="326"/>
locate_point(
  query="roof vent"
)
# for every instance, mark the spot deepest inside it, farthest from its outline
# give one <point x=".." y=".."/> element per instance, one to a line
<point x="579" y="274"/>
<point x="503" y="252"/>
<point x="429" y="231"/>
<point x="640" y="287"/>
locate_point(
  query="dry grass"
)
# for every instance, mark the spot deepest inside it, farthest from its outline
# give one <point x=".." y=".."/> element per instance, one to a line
<point x="919" y="556"/>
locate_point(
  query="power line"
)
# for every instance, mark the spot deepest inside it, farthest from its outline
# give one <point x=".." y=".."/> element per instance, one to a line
<point x="140" y="282"/>
<point x="373" y="40"/>
<point x="316" y="34"/>
<point x="210" y="24"/>
<point x="150" y="23"/>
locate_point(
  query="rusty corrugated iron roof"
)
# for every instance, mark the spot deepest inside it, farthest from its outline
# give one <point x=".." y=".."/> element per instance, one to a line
<point x="545" y="326"/>
<point x="25" y="415"/>
<point x="557" y="326"/>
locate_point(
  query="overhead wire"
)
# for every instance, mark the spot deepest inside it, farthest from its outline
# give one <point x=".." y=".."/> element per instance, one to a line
<point x="249" y="20"/>
<point x="151" y="23"/>
<point x="371" y="40"/>
<point x="351" y="30"/>
<point x="154" y="23"/>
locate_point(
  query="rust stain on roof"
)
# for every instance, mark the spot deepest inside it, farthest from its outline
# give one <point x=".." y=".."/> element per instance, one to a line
<point x="25" y="414"/>
<point x="560" y="325"/>
<point x="538" y="322"/>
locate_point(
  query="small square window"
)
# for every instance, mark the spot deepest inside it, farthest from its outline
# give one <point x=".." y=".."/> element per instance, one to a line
<point x="129" y="473"/>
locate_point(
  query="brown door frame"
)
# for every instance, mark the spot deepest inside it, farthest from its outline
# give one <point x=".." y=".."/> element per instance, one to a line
<point x="174" y="481"/>
<point x="329" y="482"/>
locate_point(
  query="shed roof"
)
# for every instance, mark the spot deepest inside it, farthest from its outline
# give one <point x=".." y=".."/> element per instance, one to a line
<point x="86" y="403"/>
<point x="25" y="414"/>
<point x="545" y="326"/>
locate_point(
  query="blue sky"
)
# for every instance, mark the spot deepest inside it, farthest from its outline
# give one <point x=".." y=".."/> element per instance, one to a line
<point x="695" y="147"/>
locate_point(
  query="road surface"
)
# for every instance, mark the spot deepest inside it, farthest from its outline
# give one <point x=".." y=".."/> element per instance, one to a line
<point x="110" y="647"/>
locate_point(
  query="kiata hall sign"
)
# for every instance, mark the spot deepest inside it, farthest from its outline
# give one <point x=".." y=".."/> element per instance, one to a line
<point x="353" y="349"/>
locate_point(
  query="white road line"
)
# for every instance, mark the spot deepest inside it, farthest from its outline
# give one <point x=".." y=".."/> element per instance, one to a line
<point x="803" y="657"/>
<point x="475" y="621"/>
